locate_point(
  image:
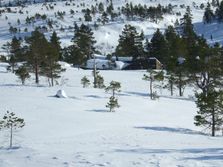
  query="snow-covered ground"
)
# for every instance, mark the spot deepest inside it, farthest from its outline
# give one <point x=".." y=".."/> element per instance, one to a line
<point x="79" y="132"/>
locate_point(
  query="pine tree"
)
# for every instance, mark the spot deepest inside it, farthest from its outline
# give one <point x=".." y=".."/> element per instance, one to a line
<point x="208" y="14"/>
<point x="219" y="12"/>
<point x="11" y="121"/>
<point x="130" y="43"/>
<point x="16" y="54"/>
<point x="176" y="50"/>
<point x="98" y="79"/>
<point x="170" y="82"/>
<point x="210" y="114"/>
<point x="50" y="66"/>
<point x="214" y="3"/>
<point x="208" y="74"/>
<point x="104" y="18"/>
<point x="112" y="104"/>
<point x="36" y="52"/>
<point x="85" y="82"/>
<point x="114" y="87"/>
<point x="152" y="77"/>
<point x="23" y="74"/>
<point x="87" y="15"/>
<point x="181" y="76"/>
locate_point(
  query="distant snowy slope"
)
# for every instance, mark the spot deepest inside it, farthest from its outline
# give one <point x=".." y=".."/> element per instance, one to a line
<point x="107" y="35"/>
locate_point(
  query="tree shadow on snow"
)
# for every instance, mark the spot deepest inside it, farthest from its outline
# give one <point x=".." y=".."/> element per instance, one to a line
<point x="137" y="94"/>
<point x="98" y="110"/>
<point x="177" y="98"/>
<point x="210" y="153"/>
<point x="95" y="96"/>
<point x="26" y="85"/>
<point x="173" y="130"/>
<point x="8" y="148"/>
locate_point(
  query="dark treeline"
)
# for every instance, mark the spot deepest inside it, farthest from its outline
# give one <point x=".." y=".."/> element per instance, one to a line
<point x="146" y="12"/>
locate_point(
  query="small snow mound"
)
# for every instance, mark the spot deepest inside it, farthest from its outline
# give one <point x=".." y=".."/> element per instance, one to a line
<point x="64" y="64"/>
<point x="120" y="65"/>
<point x="61" y="94"/>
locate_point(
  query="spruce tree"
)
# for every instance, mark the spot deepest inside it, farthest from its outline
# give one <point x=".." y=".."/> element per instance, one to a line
<point x="101" y="7"/>
<point x="158" y="47"/>
<point x="191" y="41"/>
<point x="55" y="41"/>
<point x="186" y="24"/>
<point x="130" y="43"/>
<point x="187" y="29"/>
<point x="83" y="44"/>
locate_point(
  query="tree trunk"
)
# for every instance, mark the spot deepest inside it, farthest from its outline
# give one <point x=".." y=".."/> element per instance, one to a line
<point x="95" y="77"/>
<point x="10" y="145"/>
<point x="171" y="88"/>
<point x="23" y="81"/>
<point x="52" y="83"/>
<point x="213" y="124"/>
<point x="151" y="89"/>
<point x="180" y="85"/>
<point x="37" y="73"/>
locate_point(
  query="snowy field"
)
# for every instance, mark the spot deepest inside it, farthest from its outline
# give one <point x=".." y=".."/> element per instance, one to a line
<point x="79" y="132"/>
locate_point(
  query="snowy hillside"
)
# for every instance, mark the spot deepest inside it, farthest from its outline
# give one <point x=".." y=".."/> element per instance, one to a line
<point x="106" y="35"/>
<point x="79" y="132"/>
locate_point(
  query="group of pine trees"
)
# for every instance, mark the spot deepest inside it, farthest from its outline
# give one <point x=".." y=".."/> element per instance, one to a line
<point x="187" y="60"/>
<point x="210" y="15"/>
<point x="142" y="11"/>
<point x="37" y="55"/>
